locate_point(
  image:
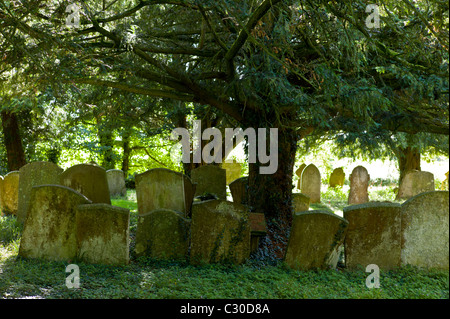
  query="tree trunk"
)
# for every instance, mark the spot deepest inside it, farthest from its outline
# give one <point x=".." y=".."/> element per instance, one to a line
<point x="271" y="194"/>
<point x="106" y="140"/>
<point x="408" y="158"/>
<point x="13" y="142"/>
<point x="126" y="151"/>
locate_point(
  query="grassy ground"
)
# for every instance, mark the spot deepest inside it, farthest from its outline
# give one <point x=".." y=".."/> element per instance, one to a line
<point x="256" y="279"/>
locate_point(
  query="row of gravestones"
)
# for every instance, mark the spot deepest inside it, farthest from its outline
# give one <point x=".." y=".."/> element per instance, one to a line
<point x="309" y="183"/>
<point x="15" y="187"/>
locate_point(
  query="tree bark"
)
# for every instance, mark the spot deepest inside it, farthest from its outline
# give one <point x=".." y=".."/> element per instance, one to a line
<point x="126" y="151"/>
<point x="271" y="194"/>
<point x="13" y="142"/>
<point x="408" y="159"/>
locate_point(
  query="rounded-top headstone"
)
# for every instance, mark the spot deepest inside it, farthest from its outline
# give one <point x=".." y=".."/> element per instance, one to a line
<point x="311" y="183"/>
<point x="9" y="192"/>
<point x="359" y="183"/>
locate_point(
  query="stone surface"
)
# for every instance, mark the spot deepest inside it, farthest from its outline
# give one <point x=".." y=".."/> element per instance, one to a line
<point x="161" y="188"/>
<point x="50" y="228"/>
<point x="210" y="179"/>
<point x="425" y="230"/>
<point x="415" y="182"/>
<point x="299" y="172"/>
<point x="163" y="234"/>
<point x="220" y="232"/>
<point x="337" y="177"/>
<point x="359" y="183"/>
<point x="300" y="202"/>
<point x="233" y="171"/>
<point x="311" y="183"/>
<point x="373" y="235"/>
<point x="116" y="182"/>
<point x="9" y="193"/>
<point x="238" y="189"/>
<point x="34" y="174"/>
<point x="89" y="180"/>
<point x="315" y="239"/>
<point x="103" y="234"/>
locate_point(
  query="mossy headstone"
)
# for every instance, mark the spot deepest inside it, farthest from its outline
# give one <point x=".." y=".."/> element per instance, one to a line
<point x="315" y="239"/>
<point x="359" y="183"/>
<point x="311" y="183"/>
<point x="373" y="235"/>
<point x="116" y="182"/>
<point x="300" y="202"/>
<point x="415" y="182"/>
<point x="425" y="230"/>
<point x="9" y="192"/>
<point x="337" y="177"/>
<point x="210" y="179"/>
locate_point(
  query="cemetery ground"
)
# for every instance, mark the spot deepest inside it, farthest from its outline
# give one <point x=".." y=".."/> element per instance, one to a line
<point x="144" y="278"/>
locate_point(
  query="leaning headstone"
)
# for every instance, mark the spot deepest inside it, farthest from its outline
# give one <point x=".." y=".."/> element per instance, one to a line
<point x="415" y="182"/>
<point x="373" y="235"/>
<point x="359" y="183"/>
<point x="233" y="171"/>
<point x="239" y="190"/>
<point x="220" y="232"/>
<point x="102" y="234"/>
<point x="34" y="174"/>
<point x="116" y="182"/>
<point x="299" y="172"/>
<point x="50" y="228"/>
<point x="300" y="202"/>
<point x="163" y="234"/>
<point x="425" y="230"/>
<point x="210" y="179"/>
<point x="9" y="193"/>
<point x="311" y="183"/>
<point x="89" y="180"/>
<point x="314" y="240"/>
<point x="161" y="188"/>
<point x="337" y="177"/>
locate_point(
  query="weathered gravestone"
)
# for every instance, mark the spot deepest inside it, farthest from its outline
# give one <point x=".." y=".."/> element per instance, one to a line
<point x="220" y="232"/>
<point x="311" y="183"/>
<point x="34" y="174"/>
<point x="233" y="171"/>
<point x="299" y="172"/>
<point x="373" y="235"/>
<point x="300" y="202"/>
<point x="315" y="239"/>
<point x="9" y="192"/>
<point x="337" y="177"/>
<point x="163" y="234"/>
<point x="102" y="234"/>
<point x="359" y="183"/>
<point x="89" y="180"/>
<point x="258" y="229"/>
<point x="415" y="182"/>
<point x="161" y="188"/>
<point x="210" y="179"/>
<point x="116" y="182"/>
<point x="239" y="190"/>
<point x="50" y="228"/>
<point x="425" y="230"/>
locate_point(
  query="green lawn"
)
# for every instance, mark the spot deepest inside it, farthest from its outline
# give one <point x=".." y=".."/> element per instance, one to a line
<point x="256" y="279"/>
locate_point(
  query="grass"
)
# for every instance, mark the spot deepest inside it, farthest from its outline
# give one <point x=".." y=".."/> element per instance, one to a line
<point x="145" y="278"/>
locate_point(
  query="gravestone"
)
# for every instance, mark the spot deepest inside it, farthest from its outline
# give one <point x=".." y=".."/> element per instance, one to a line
<point x="299" y="172"/>
<point x="9" y="192"/>
<point x="163" y="234"/>
<point x="359" y="183"/>
<point x="239" y="190"/>
<point x="89" y="180"/>
<point x="34" y="174"/>
<point x="210" y="179"/>
<point x="233" y="171"/>
<point x="220" y="232"/>
<point x="258" y="229"/>
<point x="116" y="182"/>
<point x="102" y="234"/>
<point x="50" y="228"/>
<point x="337" y="177"/>
<point x="161" y="188"/>
<point x="373" y="235"/>
<point x="315" y="239"/>
<point x="425" y="230"/>
<point x="310" y="185"/>
<point x="415" y="182"/>
<point x="300" y="202"/>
